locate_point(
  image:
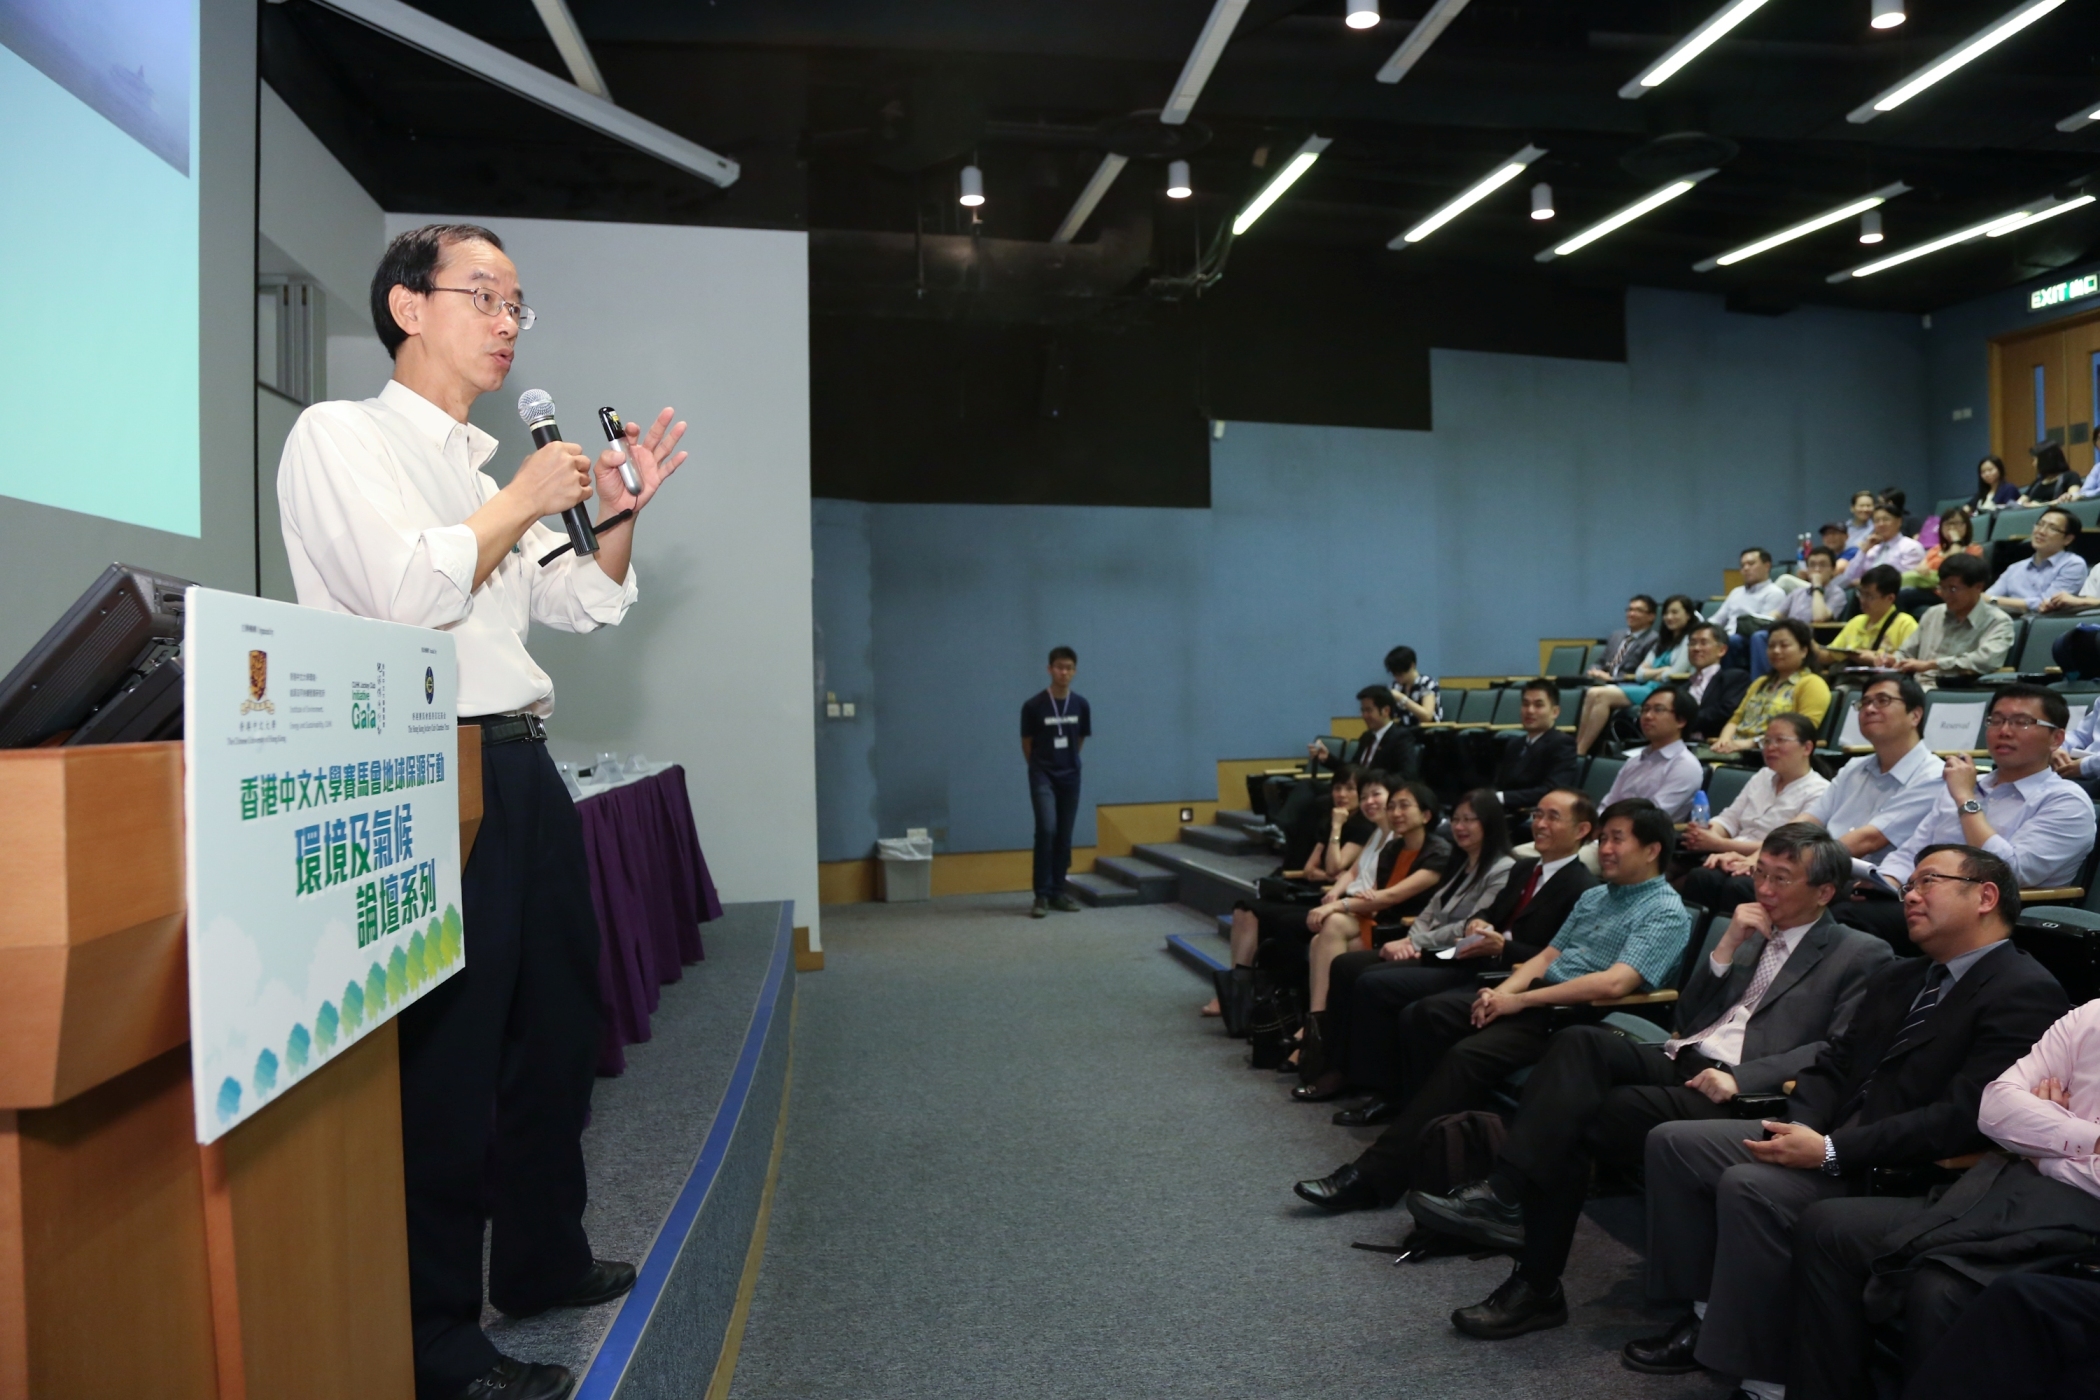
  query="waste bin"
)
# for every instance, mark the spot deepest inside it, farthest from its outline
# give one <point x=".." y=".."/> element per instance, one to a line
<point x="907" y="867"/>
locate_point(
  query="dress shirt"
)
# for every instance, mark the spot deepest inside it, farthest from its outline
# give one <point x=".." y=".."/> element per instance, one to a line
<point x="1764" y="600"/>
<point x="1763" y="804"/>
<point x="1801" y="603"/>
<point x="2092" y="485"/>
<point x="2042" y="825"/>
<point x="1858" y="532"/>
<point x="1548" y="869"/>
<point x="2061" y="1141"/>
<point x="2032" y="580"/>
<point x="1969" y="646"/>
<point x="372" y="497"/>
<point x="1643" y="926"/>
<point x="1723" y="1041"/>
<point x="1700" y="680"/>
<point x="1902" y="553"/>
<point x="1667" y="777"/>
<point x="2084" y="740"/>
<point x="1864" y="633"/>
<point x="1894" y="803"/>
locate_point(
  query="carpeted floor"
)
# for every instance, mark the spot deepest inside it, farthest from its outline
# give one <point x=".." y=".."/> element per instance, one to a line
<point x="647" y="1125"/>
<point x="1018" y="1164"/>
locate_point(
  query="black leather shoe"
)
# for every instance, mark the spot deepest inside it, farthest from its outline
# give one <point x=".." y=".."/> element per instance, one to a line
<point x="1667" y="1355"/>
<point x="1327" y="1086"/>
<point x="601" y="1283"/>
<point x="520" y="1380"/>
<point x="1512" y="1310"/>
<point x="1473" y="1213"/>
<point x="1368" y="1114"/>
<point x="1345" y="1190"/>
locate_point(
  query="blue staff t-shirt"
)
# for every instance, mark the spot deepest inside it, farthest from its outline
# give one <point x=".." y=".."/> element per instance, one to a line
<point x="1056" y="727"/>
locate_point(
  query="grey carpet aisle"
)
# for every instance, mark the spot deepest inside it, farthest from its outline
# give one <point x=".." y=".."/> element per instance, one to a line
<point x="647" y="1125"/>
<point x="1019" y="1165"/>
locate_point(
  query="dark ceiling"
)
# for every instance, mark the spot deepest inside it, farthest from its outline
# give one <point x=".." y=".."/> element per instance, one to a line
<point x="854" y="118"/>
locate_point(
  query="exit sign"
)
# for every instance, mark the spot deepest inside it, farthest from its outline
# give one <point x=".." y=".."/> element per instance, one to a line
<point x="2062" y="292"/>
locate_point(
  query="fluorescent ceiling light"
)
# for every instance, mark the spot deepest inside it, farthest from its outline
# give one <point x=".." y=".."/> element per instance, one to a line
<point x="1693" y="44"/>
<point x="1503" y="174"/>
<point x="1803" y="229"/>
<point x="1210" y="44"/>
<point x="568" y="42"/>
<point x="535" y="84"/>
<point x="1978" y="45"/>
<point x="1083" y="207"/>
<point x="2080" y="119"/>
<point x="1418" y="40"/>
<point x="1285" y="178"/>
<point x="1643" y="205"/>
<point x="2041" y="209"/>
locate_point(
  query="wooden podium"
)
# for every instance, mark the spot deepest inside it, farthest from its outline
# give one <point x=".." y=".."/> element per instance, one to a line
<point x="134" y="1262"/>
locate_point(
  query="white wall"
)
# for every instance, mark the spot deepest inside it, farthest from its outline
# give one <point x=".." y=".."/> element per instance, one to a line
<point x="712" y="667"/>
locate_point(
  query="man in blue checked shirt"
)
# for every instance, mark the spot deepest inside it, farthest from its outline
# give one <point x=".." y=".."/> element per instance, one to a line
<point x="1624" y="936"/>
<point x="2052" y="578"/>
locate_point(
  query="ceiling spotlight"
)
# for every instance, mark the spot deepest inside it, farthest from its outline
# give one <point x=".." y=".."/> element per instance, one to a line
<point x="1542" y="201"/>
<point x="1864" y="206"/>
<point x="1178" y="186"/>
<point x="972" y="187"/>
<point x="1692" y="45"/>
<point x="1870" y="226"/>
<point x="1976" y="46"/>
<point x="1363" y="14"/>
<point x="1285" y="178"/>
<point x="1502" y="175"/>
<point x="2081" y="119"/>
<point x="1887" y="14"/>
<point x="1645" y="204"/>
<point x="2023" y="217"/>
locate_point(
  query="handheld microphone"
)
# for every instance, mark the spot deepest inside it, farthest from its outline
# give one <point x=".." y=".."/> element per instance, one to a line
<point x="536" y="408"/>
<point x="616" y="434"/>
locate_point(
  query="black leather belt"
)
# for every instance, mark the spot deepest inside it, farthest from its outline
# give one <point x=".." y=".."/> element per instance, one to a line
<point x="509" y="729"/>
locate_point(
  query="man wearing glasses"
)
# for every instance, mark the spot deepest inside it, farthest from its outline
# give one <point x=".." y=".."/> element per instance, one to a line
<point x="2023" y="812"/>
<point x="1898" y="1088"/>
<point x="386" y="513"/>
<point x="2050" y="579"/>
<point x="1961" y="635"/>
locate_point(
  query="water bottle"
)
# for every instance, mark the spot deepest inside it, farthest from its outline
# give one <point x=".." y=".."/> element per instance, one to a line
<point x="1701" y="809"/>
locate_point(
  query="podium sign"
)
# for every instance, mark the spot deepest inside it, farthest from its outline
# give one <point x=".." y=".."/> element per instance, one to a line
<point x="323" y="838"/>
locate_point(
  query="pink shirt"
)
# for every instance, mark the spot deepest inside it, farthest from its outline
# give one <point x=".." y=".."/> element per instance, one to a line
<point x="2060" y="1140"/>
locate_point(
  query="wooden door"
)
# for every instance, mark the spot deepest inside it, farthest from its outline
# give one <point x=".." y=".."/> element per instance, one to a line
<point x="2082" y="381"/>
<point x="2046" y="389"/>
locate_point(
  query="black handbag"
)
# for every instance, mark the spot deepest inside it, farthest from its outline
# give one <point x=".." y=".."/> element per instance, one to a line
<point x="1277" y="890"/>
<point x="1235" y="987"/>
<point x="1272" y="1019"/>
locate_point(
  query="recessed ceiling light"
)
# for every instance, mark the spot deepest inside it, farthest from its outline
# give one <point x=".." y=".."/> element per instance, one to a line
<point x="1863" y="204"/>
<point x="1975" y="47"/>
<point x="2026" y="215"/>
<point x="1870" y="226"/>
<point x="1178" y="186"/>
<point x="1495" y="180"/>
<point x="1542" y="201"/>
<point x="1363" y="14"/>
<point x="1691" y="46"/>
<point x="1285" y="178"/>
<point x="1647" y="203"/>
<point x="972" y="187"/>
<point x="1888" y="14"/>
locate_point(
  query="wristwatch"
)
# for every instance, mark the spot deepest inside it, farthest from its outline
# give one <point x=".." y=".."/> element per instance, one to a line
<point x="1971" y="807"/>
<point x="1830" y="1155"/>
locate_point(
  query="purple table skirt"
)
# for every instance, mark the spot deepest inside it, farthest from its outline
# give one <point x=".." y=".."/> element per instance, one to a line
<point x="652" y="892"/>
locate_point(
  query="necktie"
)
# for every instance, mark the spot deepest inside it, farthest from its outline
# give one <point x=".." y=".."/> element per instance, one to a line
<point x="1768" y="964"/>
<point x="1531" y="887"/>
<point x="1920" y="1012"/>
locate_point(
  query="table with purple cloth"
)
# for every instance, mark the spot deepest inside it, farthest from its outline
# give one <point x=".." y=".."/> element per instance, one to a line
<point x="650" y="886"/>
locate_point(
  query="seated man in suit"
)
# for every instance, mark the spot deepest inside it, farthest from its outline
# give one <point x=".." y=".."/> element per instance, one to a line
<point x="1898" y="1088"/>
<point x="1368" y="993"/>
<point x="1716" y="687"/>
<point x="1538" y="759"/>
<point x="2028" y="1337"/>
<point x="1873" y="805"/>
<point x="1623" y="650"/>
<point x="2023" y="811"/>
<point x="1293" y="805"/>
<point x="2046" y="1108"/>
<point x="1664" y="773"/>
<point x="1782" y="978"/>
<point x="1625" y="936"/>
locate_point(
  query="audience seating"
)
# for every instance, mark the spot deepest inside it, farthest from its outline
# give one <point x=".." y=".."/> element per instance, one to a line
<point x="1724" y="785"/>
<point x="1567" y="663"/>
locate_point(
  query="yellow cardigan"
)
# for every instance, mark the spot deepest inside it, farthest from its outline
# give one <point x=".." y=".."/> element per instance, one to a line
<point x="1804" y="692"/>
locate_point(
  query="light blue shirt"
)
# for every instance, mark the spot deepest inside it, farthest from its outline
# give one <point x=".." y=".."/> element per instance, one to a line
<point x="1644" y="926"/>
<point x="2042" y="825"/>
<point x="2084" y="739"/>
<point x="1893" y="803"/>
<point x="1668" y="777"/>
<point x="2032" y="580"/>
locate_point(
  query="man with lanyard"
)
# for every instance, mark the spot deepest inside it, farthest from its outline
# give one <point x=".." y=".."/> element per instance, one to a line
<point x="386" y="514"/>
<point x="1054" y="724"/>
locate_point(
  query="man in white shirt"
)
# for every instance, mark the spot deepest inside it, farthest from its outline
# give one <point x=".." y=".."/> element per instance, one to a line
<point x="386" y="514"/>
<point x="2079" y="758"/>
<point x="1885" y="544"/>
<point x="1665" y="772"/>
<point x="2050" y="579"/>
<point x="1755" y="597"/>
<point x="2022" y="811"/>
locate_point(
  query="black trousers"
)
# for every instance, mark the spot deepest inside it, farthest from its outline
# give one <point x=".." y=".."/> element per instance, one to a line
<point x="1366" y="997"/>
<point x="496" y="1070"/>
<point x="1712" y="890"/>
<point x="1594" y="1093"/>
<point x="2026" y="1337"/>
<point x="1450" y="1068"/>
<point x="1834" y="1242"/>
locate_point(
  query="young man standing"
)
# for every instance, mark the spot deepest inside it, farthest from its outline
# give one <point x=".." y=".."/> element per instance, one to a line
<point x="1054" y="723"/>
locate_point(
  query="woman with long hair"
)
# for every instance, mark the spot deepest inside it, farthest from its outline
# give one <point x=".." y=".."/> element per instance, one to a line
<point x="1666" y="658"/>
<point x="1992" y="489"/>
<point x="2053" y="477"/>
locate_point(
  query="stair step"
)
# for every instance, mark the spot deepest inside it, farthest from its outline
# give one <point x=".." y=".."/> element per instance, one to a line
<point x="1197" y="957"/>
<point x="1150" y="882"/>
<point x="1225" y="840"/>
<point x="1239" y="821"/>
<point x="1210" y="882"/>
<point x="1225" y="927"/>
<point x="1102" y="892"/>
